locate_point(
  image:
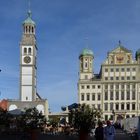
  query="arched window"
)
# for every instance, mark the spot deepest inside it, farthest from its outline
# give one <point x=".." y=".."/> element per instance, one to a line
<point x="32" y="29"/>
<point x="29" y="29"/>
<point x="25" y="50"/>
<point x="29" y="50"/>
<point x="26" y="29"/>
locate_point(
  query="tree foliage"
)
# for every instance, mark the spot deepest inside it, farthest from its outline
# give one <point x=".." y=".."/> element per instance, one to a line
<point x="83" y="118"/>
<point x="32" y="119"/>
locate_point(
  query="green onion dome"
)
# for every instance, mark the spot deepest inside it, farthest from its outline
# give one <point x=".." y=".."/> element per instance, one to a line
<point x="29" y="19"/>
<point x="86" y="52"/>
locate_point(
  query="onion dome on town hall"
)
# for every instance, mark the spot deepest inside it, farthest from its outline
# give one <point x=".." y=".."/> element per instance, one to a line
<point x="87" y="52"/>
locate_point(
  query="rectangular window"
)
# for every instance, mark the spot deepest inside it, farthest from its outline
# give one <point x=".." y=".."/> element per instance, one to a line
<point x="128" y="69"/>
<point x="128" y="106"/>
<point x="117" y="95"/>
<point x="82" y="97"/>
<point x="111" y="95"/>
<point x="106" y="86"/>
<point x="133" y="95"/>
<point x="106" y="117"/>
<point x="122" y="106"/>
<point x="133" y="87"/>
<point x="117" y="69"/>
<point x="122" y="78"/>
<point x="117" y="86"/>
<point x="117" y="106"/>
<point x="112" y="70"/>
<point x="133" y="107"/>
<point x="128" y="77"/>
<point x="93" y="86"/>
<point x="128" y="95"/>
<point x="106" y="70"/>
<point x="117" y="78"/>
<point x="134" y="69"/>
<point x="111" y="78"/>
<point x="111" y="87"/>
<point x="82" y="87"/>
<point x="99" y="97"/>
<point x="98" y="106"/>
<point x="99" y="86"/>
<point x="93" y="97"/>
<point x="106" y="78"/>
<point x="122" y="95"/>
<point x="133" y="78"/>
<point x="106" y="95"/>
<point x="88" y="86"/>
<point x="88" y="97"/>
<point x="122" y="69"/>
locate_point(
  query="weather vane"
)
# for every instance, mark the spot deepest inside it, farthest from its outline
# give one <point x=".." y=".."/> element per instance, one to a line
<point x="29" y="5"/>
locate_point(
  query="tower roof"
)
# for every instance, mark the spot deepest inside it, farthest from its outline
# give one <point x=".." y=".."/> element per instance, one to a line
<point x="86" y="52"/>
<point x="29" y="19"/>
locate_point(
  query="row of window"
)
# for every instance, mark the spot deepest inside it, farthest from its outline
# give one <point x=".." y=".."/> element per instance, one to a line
<point x="120" y="86"/>
<point x="120" y="96"/>
<point x="119" y="69"/>
<point x="29" y="29"/>
<point x="116" y="86"/>
<point x="120" y="78"/>
<point x="88" y="86"/>
<point x="88" y="98"/>
<point x="29" y="50"/>
<point x="121" y="106"/>
<point x="113" y="96"/>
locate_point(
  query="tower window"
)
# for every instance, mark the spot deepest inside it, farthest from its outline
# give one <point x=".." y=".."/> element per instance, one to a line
<point x="86" y="65"/>
<point x="32" y="30"/>
<point x="26" y="98"/>
<point x="29" y="50"/>
<point x="29" y="29"/>
<point x="25" y="50"/>
<point x="26" y="29"/>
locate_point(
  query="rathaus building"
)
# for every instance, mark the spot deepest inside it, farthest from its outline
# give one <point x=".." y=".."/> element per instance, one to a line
<point x="116" y="89"/>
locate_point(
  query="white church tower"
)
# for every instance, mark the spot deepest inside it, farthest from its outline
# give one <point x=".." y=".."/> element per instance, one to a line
<point x="28" y="55"/>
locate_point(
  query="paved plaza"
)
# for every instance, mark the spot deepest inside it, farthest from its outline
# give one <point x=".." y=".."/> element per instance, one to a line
<point x="120" y="135"/>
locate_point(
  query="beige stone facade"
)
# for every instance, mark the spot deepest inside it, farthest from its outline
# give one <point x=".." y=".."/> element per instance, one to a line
<point x="116" y="89"/>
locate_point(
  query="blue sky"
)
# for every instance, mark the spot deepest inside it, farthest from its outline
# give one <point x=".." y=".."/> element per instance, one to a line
<point x="62" y="29"/>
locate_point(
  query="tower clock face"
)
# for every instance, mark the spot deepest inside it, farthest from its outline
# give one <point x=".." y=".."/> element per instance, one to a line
<point x="27" y="59"/>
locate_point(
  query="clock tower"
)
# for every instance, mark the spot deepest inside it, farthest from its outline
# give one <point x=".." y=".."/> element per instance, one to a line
<point x="28" y="55"/>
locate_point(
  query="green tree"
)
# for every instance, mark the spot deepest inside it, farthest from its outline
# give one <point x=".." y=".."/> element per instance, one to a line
<point x="32" y="119"/>
<point x="83" y="119"/>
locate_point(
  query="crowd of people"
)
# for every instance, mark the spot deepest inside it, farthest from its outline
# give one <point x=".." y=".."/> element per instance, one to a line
<point x="105" y="133"/>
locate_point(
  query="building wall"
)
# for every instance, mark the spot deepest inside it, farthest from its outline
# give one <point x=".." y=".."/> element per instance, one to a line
<point x="119" y="86"/>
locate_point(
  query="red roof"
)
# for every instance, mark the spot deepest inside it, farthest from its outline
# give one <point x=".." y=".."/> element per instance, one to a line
<point x="3" y="104"/>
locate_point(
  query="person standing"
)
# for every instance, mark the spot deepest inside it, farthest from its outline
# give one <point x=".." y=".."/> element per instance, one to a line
<point x="109" y="131"/>
<point x="99" y="131"/>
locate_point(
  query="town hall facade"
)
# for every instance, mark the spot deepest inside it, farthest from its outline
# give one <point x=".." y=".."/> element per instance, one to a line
<point x="116" y="89"/>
